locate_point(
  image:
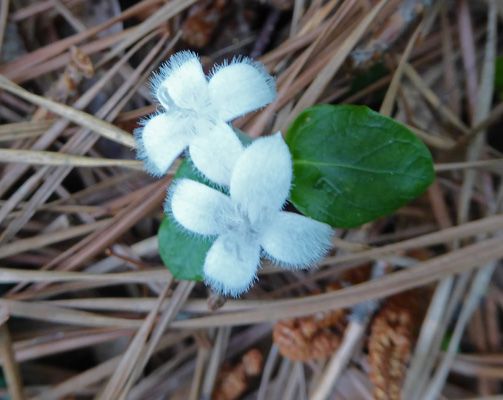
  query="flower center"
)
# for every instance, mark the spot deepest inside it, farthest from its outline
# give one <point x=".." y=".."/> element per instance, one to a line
<point x="239" y="223"/>
<point x="192" y="105"/>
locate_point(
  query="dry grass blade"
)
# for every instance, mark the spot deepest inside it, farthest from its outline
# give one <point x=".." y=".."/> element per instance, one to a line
<point x="482" y="277"/>
<point x="72" y="385"/>
<point x="179" y="296"/>
<point x="423" y="273"/>
<point x="467" y="41"/>
<point x="201" y="359"/>
<point x="478" y="287"/>
<point x="315" y="89"/>
<point x="82" y="268"/>
<point x="62" y="60"/>
<point x="19" y="128"/>
<point x="159" y="376"/>
<point x="432" y="140"/>
<point x="485" y="225"/>
<point x="103" y="128"/>
<point x="41" y="241"/>
<point x="130" y="215"/>
<point x="131" y="355"/>
<point x="4" y="12"/>
<point x="418" y="373"/>
<point x="477" y="370"/>
<point x="215" y="359"/>
<point x="52" y="158"/>
<point x="17" y="69"/>
<point x="482" y="106"/>
<point x="100" y="372"/>
<point x="11" y="275"/>
<point x="22" y="192"/>
<point x="494" y="116"/>
<point x="59" y="343"/>
<point x="390" y="97"/>
<point x="23" y="130"/>
<point x="9" y="364"/>
<point x="46" y="312"/>
<point x="67" y="14"/>
<point x="339" y="360"/>
<point x="48" y="137"/>
<point x="491" y="165"/>
<point x="79" y="143"/>
<point x="433" y="99"/>
<point x="162" y="15"/>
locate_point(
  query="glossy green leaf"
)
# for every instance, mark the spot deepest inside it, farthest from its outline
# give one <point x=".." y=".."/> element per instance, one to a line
<point x="182" y="252"/>
<point x="353" y="165"/>
<point x="368" y="77"/>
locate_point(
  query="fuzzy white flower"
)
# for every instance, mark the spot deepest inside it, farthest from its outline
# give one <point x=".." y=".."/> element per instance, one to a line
<point x="249" y="219"/>
<point x="196" y="111"/>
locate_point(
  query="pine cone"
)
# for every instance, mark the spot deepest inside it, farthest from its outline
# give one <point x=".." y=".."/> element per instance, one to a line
<point x="390" y="342"/>
<point x="312" y="337"/>
<point x="232" y="382"/>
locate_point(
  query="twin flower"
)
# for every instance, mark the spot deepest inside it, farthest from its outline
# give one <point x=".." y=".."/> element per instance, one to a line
<point x="246" y="217"/>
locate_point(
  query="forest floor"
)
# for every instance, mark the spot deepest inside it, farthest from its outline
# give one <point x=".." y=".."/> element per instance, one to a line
<point x="87" y="308"/>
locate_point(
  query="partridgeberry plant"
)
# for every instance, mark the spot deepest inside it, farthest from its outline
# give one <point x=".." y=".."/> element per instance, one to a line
<point x="250" y="218"/>
<point x="341" y="166"/>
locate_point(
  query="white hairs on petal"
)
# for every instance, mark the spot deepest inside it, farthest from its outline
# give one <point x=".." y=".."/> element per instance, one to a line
<point x="250" y="218"/>
<point x="269" y="80"/>
<point x="159" y="142"/>
<point x="198" y="207"/>
<point x="231" y="265"/>
<point x="262" y="177"/>
<point x="175" y="62"/>
<point x="192" y="114"/>
<point x="295" y="241"/>
<point x="240" y="87"/>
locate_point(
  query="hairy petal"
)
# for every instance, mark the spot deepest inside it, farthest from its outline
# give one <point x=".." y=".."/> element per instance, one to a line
<point x="182" y="82"/>
<point x="261" y="180"/>
<point x="295" y="240"/>
<point x="231" y="264"/>
<point x="198" y="208"/>
<point x="160" y="141"/>
<point x="216" y="152"/>
<point x="241" y="87"/>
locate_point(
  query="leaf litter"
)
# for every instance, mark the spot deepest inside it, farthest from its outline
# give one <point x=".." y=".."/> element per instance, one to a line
<point x="88" y="309"/>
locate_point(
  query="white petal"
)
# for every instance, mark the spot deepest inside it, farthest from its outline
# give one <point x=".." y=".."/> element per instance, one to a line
<point x="198" y="208"/>
<point x="295" y="240"/>
<point x="241" y="87"/>
<point x="216" y="152"/>
<point x="231" y="265"/>
<point x="162" y="138"/>
<point x="182" y="82"/>
<point x="261" y="179"/>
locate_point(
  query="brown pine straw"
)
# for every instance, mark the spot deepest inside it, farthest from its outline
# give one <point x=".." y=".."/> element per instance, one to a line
<point x="24" y="63"/>
<point x="9" y="364"/>
<point x="4" y="12"/>
<point x="83" y="261"/>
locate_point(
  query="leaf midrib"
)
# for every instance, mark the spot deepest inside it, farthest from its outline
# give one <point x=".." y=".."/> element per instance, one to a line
<point x="333" y="165"/>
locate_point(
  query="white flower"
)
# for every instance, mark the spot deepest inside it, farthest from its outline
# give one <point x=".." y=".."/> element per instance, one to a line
<point x="249" y="219"/>
<point x="196" y="112"/>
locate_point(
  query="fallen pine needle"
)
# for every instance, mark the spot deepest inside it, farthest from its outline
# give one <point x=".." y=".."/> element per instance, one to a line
<point x="52" y="158"/>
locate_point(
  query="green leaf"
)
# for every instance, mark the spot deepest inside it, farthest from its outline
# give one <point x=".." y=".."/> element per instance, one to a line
<point x="352" y="165"/>
<point x="183" y="252"/>
<point x="368" y="77"/>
